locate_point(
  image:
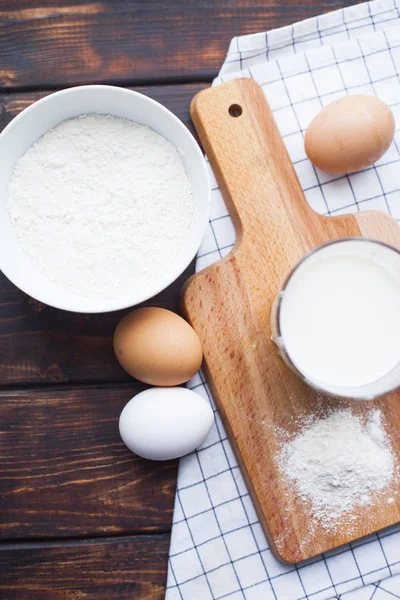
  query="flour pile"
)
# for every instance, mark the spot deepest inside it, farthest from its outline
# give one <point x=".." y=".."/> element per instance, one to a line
<point x="337" y="463"/>
<point x="101" y="204"/>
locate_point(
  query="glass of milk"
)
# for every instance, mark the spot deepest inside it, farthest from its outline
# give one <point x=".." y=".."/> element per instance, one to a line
<point x="336" y="319"/>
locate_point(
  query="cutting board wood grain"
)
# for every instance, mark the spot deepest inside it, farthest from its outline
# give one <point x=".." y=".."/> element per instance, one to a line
<point x="229" y="306"/>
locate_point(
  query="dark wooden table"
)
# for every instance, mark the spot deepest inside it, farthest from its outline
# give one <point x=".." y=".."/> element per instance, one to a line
<point x="80" y="516"/>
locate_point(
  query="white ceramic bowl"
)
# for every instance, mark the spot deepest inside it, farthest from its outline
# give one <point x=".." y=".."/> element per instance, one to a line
<point x="45" y="114"/>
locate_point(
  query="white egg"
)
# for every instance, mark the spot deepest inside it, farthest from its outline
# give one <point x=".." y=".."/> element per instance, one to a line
<point x="165" y="423"/>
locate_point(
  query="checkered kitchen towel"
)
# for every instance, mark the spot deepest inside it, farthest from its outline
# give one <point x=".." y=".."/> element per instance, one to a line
<point x="218" y="549"/>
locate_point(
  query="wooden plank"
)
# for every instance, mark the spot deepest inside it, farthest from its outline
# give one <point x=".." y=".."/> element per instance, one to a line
<point x="257" y="394"/>
<point x="64" y="470"/>
<point x="175" y="97"/>
<point x="40" y="344"/>
<point x="48" y="44"/>
<point x="124" y="569"/>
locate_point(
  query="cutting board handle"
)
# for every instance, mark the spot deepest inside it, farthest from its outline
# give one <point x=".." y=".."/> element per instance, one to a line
<point x="250" y="160"/>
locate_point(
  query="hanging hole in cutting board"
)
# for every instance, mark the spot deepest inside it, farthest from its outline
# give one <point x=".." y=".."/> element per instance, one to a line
<point x="235" y="110"/>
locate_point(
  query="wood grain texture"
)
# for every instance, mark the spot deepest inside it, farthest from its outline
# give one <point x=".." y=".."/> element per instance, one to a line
<point x="40" y="344"/>
<point x="132" y="568"/>
<point x="57" y="44"/>
<point x="229" y="305"/>
<point x="176" y="98"/>
<point x="64" y="470"/>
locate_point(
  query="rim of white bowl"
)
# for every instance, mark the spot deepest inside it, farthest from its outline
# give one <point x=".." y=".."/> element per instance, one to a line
<point x="198" y="231"/>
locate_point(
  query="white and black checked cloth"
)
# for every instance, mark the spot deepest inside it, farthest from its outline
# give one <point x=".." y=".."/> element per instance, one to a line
<point x="218" y="550"/>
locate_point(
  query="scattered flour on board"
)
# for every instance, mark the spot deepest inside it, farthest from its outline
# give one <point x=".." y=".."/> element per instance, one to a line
<point x="337" y="463"/>
<point x="101" y="204"/>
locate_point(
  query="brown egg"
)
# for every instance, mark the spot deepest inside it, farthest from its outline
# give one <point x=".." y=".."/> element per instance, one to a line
<point x="350" y="134"/>
<point x="157" y="346"/>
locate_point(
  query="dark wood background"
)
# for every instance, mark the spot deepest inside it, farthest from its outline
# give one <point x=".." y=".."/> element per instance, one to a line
<point x="80" y="516"/>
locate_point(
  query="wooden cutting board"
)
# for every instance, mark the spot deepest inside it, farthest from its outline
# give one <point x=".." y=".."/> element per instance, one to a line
<point x="229" y="306"/>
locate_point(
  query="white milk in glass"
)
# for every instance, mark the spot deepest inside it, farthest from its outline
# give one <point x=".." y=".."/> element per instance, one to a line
<point x="337" y="318"/>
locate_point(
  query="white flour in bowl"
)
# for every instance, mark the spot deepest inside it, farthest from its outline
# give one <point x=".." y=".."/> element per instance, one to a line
<point x="101" y="204"/>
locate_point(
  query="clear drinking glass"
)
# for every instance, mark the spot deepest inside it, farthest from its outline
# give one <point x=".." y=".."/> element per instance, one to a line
<point x="336" y="319"/>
